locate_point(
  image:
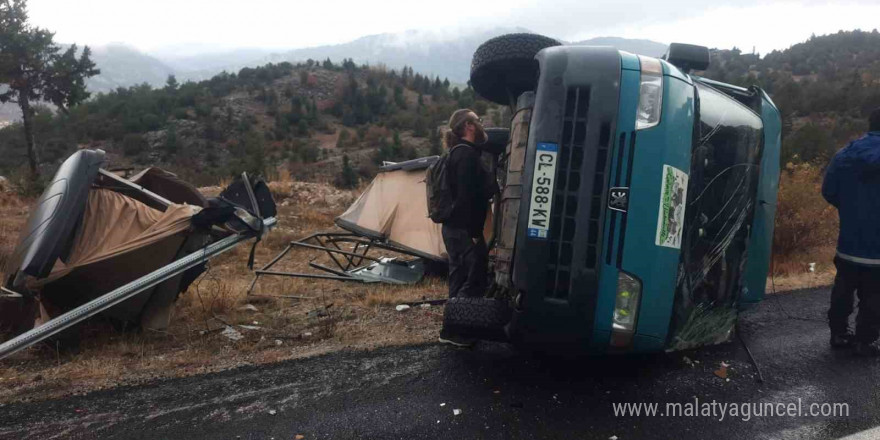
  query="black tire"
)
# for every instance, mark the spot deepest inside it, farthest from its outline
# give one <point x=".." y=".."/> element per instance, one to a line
<point x="482" y="318"/>
<point x="504" y="67"/>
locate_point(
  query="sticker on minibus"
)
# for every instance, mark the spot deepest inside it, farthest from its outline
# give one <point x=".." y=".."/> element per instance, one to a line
<point x="670" y="220"/>
<point x="541" y="201"/>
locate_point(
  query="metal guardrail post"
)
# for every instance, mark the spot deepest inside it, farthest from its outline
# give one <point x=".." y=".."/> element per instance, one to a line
<point x="122" y="293"/>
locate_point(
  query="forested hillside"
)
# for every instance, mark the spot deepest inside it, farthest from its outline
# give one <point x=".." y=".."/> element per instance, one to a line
<point x="303" y="118"/>
<point x="299" y="119"/>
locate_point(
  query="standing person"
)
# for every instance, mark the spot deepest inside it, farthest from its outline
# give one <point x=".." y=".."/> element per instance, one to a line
<point x="852" y="185"/>
<point x="472" y="186"/>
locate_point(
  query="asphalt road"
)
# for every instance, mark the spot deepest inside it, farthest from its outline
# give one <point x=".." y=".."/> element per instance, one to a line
<point x="411" y="392"/>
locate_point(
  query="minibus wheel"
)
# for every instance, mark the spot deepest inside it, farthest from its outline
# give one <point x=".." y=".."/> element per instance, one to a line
<point x="479" y="317"/>
<point x="504" y="67"/>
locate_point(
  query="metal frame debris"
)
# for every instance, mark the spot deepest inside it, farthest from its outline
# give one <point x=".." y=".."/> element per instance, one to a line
<point x="350" y="264"/>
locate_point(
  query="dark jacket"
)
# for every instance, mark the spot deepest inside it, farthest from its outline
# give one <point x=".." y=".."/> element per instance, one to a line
<point x="473" y="186"/>
<point x="852" y="184"/>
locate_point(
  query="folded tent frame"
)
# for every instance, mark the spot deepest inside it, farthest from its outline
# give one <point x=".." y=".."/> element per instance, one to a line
<point x="42" y="247"/>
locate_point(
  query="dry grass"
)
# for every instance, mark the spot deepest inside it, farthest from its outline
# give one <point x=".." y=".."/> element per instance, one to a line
<point x="804" y="220"/>
<point x="13" y="213"/>
<point x="805" y="232"/>
<point x="335" y="316"/>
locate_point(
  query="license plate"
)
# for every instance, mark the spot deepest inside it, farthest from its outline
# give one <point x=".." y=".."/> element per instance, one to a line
<point x="542" y="190"/>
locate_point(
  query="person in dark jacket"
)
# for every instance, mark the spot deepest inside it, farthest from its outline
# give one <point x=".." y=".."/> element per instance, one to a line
<point x="852" y="185"/>
<point x="473" y="186"/>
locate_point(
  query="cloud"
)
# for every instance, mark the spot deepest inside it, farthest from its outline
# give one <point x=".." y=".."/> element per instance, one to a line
<point x="284" y="24"/>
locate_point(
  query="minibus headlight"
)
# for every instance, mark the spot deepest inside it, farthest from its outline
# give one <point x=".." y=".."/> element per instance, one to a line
<point x="650" y="93"/>
<point x="626" y="305"/>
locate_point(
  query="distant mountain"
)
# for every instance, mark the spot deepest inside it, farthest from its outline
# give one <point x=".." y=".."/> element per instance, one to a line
<point x="447" y="55"/>
<point x="443" y="54"/>
<point x="437" y="54"/>
<point x="640" y="47"/>
<point x="124" y="66"/>
<point x="121" y="66"/>
<point x="198" y="62"/>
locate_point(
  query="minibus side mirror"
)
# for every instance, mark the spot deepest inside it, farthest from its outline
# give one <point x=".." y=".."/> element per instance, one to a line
<point x="687" y="57"/>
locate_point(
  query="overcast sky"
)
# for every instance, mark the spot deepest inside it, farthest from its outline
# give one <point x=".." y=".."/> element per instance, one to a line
<point x="283" y="24"/>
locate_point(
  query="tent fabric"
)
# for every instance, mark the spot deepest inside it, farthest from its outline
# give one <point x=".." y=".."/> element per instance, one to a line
<point x="168" y="185"/>
<point x="394" y="209"/>
<point x="161" y="182"/>
<point x="114" y="224"/>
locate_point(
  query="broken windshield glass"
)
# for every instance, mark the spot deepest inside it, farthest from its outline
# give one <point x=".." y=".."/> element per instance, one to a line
<point x="723" y="178"/>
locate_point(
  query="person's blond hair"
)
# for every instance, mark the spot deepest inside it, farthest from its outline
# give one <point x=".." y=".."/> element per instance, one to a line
<point x="455" y="128"/>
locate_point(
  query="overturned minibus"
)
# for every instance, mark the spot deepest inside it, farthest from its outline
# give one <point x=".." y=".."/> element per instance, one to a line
<point x="637" y="199"/>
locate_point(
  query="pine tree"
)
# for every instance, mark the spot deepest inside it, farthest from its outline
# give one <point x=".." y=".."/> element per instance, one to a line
<point x="420" y="127"/>
<point x="171" y="141"/>
<point x="171" y="83"/>
<point x="399" y="99"/>
<point x="34" y="69"/>
<point x="436" y="143"/>
<point x="348" y="177"/>
<point x="343" y="138"/>
<point x="302" y="128"/>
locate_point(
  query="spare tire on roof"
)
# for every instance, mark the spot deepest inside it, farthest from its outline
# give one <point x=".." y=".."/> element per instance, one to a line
<point x="504" y="67"/>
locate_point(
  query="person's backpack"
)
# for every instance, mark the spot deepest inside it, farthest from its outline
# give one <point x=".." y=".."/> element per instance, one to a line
<point x="438" y="188"/>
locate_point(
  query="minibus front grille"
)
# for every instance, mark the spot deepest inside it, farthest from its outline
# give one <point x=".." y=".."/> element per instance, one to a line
<point x="567" y="221"/>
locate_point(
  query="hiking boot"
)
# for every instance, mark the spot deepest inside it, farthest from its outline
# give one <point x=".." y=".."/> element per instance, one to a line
<point x="866" y="350"/>
<point x="843" y="340"/>
<point x="456" y="340"/>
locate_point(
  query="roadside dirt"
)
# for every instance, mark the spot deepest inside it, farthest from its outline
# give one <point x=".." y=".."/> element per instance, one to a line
<point x="335" y="316"/>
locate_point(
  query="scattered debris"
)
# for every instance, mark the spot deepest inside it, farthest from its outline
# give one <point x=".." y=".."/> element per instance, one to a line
<point x="722" y="371"/>
<point x="249" y="308"/>
<point x="231" y="333"/>
<point x="250" y="327"/>
<point x="456" y="411"/>
<point x="395" y="197"/>
<point x="272" y="412"/>
<point x="278" y="342"/>
<point x="443" y="404"/>
<point x="496" y="392"/>
<point x="425" y="306"/>
<point x="320" y="312"/>
<point x="687" y="361"/>
<point x="307" y="334"/>
<point x="402" y="308"/>
<point x="613" y="437"/>
<point x="432" y="302"/>
<point x="299" y="437"/>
